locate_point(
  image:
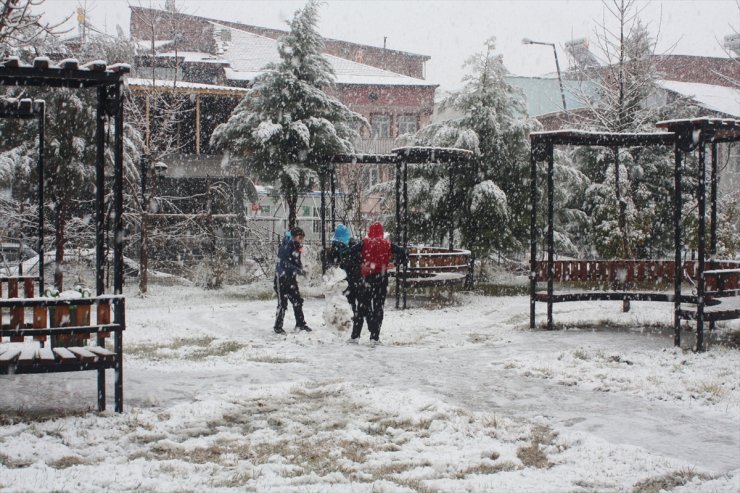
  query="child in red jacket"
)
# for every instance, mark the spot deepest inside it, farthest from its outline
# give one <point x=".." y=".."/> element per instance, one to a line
<point x="376" y="254"/>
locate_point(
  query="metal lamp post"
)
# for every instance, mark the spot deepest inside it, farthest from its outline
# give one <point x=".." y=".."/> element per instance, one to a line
<point x="528" y="41"/>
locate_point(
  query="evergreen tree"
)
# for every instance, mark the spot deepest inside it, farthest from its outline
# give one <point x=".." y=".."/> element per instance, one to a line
<point x="287" y="127"/>
<point x="491" y="194"/>
<point x="69" y="160"/>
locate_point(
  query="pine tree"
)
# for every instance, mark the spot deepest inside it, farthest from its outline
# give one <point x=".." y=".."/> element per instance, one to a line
<point x="287" y="127"/>
<point x="491" y="194"/>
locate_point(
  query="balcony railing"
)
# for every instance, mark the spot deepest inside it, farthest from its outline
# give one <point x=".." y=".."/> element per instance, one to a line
<point x="374" y="146"/>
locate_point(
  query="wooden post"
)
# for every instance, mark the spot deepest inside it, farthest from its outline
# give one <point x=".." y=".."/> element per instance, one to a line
<point x="147" y="131"/>
<point x="678" y="244"/>
<point x="16" y="314"/>
<point x="103" y="317"/>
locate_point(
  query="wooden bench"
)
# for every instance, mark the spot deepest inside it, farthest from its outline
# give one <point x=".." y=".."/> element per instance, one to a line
<point x="436" y="266"/>
<point x="722" y="296"/>
<point x="624" y="273"/>
<point x="430" y="268"/>
<point x="49" y="335"/>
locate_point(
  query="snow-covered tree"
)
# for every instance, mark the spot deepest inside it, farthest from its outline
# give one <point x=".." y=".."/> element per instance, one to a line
<point x="69" y="161"/>
<point x="286" y="126"/>
<point x="491" y="193"/>
<point x="21" y="27"/>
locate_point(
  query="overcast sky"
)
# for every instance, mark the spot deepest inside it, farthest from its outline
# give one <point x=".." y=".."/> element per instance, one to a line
<point x="451" y="30"/>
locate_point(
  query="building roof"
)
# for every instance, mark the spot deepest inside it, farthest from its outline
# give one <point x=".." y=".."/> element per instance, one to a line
<point x="249" y="53"/>
<point x="186" y="87"/>
<point x="193" y="56"/>
<point x="716" y="98"/>
<point x="272" y="32"/>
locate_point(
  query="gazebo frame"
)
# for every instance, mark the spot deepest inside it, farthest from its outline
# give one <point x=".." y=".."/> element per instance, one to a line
<point x="400" y="158"/>
<point x="108" y="81"/>
<point x="685" y="136"/>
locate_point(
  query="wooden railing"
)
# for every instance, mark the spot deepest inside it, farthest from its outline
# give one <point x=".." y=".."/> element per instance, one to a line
<point x="627" y="272"/>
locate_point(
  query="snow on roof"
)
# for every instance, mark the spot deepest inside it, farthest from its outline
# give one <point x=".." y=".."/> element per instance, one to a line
<point x="717" y="98"/>
<point x="193" y="57"/>
<point x="248" y="54"/>
<point x="164" y="83"/>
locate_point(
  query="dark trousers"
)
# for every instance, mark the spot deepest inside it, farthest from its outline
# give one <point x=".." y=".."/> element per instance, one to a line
<point x="351" y="293"/>
<point x="286" y="288"/>
<point x="371" y="300"/>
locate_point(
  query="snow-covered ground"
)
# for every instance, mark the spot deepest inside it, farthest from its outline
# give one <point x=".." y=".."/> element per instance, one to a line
<point x="457" y="398"/>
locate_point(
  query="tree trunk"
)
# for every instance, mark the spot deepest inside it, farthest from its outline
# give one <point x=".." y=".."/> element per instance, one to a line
<point x="291" y="197"/>
<point x="241" y="218"/>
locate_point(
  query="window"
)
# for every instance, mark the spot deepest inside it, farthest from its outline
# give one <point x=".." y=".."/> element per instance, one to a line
<point x="306" y="210"/>
<point x="734" y="165"/>
<point x="381" y="126"/>
<point x="407" y="124"/>
<point x="316" y="226"/>
<point x="372" y="174"/>
<point x="266" y="209"/>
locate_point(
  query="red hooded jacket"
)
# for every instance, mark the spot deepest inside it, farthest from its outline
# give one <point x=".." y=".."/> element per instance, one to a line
<point x="376" y="251"/>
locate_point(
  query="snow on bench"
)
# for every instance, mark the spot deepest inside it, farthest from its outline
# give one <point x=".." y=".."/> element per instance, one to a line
<point x="55" y="334"/>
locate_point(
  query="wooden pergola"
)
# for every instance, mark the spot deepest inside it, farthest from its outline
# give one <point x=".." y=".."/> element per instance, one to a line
<point x="400" y="157"/>
<point x="146" y="87"/>
<point x="684" y="136"/>
<point x="108" y="81"/>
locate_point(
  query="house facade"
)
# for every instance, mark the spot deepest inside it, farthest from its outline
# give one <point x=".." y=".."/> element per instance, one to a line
<point x="384" y="86"/>
<point x="209" y="64"/>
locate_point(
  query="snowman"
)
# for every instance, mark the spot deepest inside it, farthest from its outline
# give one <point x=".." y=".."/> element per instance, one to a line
<point x="337" y="312"/>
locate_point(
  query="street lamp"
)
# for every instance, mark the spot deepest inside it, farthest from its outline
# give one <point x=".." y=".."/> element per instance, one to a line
<point x="528" y="41"/>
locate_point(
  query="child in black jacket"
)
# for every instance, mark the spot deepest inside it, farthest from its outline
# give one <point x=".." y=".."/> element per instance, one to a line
<point x="340" y="255"/>
<point x="289" y="266"/>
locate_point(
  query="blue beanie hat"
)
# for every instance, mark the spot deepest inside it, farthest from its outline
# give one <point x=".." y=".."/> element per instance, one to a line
<point x="342" y="234"/>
